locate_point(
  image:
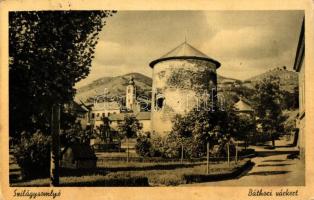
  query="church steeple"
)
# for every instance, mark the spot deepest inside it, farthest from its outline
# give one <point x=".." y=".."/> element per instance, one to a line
<point x="131" y="81"/>
<point x="130" y="94"/>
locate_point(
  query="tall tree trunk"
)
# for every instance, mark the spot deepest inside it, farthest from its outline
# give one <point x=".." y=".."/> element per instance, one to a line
<point x="273" y="140"/>
<point x="128" y="153"/>
<point x="228" y="153"/>
<point x="207" y="156"/>
<point x="181" y="153"/>
<point x="236" y="153"/>
<point x="246" y="142"/>
<point x="55" y="146"/>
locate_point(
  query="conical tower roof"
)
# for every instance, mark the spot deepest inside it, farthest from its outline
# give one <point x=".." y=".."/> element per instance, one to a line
<point x="185" y="51"/>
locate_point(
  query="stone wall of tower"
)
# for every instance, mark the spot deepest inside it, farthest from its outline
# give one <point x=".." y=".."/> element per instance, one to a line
<point x="178" y="86"/>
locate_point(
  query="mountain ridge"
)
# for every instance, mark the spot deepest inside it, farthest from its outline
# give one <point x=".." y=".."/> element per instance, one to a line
<point x="116" y="86"/>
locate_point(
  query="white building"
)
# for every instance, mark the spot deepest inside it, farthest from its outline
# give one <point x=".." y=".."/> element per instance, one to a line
<point x="299" y="67"/>
<point x="116" y="112"/>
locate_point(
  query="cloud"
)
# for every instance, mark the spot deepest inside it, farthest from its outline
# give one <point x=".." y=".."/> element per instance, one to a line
<point x="249" y="43"/>
<point x="245" y="42"/>
<point x="108" y="52"/>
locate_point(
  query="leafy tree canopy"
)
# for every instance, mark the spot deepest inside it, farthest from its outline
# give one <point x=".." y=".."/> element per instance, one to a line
<point x="198" y="127"/>
<point x="268" y="100"/>
<point x="49" y="52"/>
<point x="130" y="126"/>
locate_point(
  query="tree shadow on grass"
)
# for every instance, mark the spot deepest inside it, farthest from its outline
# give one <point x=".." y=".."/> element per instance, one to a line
<point x="267" y="173"/>
<point x="272" y="165"/>
<point x="274" y="160"/>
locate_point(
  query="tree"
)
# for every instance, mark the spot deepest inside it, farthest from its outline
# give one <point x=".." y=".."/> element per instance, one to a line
<point x="75" y="134"/>
<point x="129" y="128"/>
<point x="104" y="130"/>
<point x="246" y="127"/>
<point x="193" y="131"/>
<point x="49" y="52"/>
<point x="291" y="99"/>
<point x="32" y="154"/>
<point x="143" y="145"/>
<point x="267" y="103"/>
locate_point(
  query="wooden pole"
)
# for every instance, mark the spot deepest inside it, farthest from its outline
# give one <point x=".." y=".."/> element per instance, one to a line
<point x="55" y="146"/>
<point x="207" y="155"/>
<point x="236" y="153"/>
<point x="128" y="154"/>
<point x="228" y="152"/>
<point x="182" y="153"/>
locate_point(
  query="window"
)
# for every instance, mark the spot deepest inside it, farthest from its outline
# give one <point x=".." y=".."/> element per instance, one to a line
<point x="160" y="103"/>
<point x="93" y="115"/>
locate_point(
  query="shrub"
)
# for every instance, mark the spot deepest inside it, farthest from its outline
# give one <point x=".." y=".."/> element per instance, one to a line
<point x="143" y="145"/>
<point x="33" y="155"/>
<point x="157" y="145"/>
<point x="150" y="145"/>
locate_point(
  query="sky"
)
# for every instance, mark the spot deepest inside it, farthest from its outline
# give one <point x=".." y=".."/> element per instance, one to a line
<point x="246" y="43"/>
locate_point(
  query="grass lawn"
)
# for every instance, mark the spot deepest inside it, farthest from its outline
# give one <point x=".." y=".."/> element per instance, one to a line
<point x="158" y="174"/>
<point x="175" y="177"/>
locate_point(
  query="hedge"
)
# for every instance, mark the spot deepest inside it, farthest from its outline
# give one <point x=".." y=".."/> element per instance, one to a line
<point x="110" y="182"/>
<point x="197" y="178"/>
<point x="160" y="159"/>
<point x="88" y="181"/>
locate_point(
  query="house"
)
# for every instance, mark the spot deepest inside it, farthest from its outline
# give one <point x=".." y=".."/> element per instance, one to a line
<point x="142" y="117"/>
<point x="103" y="109"/>
<point x="299" y="67"/>
<point x="243" y="107"/>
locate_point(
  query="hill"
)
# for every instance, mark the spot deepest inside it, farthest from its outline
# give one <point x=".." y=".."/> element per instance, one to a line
<point x="288" y="79"/>
<point x="114" y="87"/>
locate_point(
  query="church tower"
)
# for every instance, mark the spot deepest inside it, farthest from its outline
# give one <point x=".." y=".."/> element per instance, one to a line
<point x="130" y="94"/>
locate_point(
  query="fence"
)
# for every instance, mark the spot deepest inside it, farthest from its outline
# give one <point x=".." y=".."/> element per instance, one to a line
<point x="102" y="160"/>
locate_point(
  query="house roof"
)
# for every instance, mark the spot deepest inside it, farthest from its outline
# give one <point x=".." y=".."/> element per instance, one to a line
<point x="139" y="116"/>
<point x="106" y="106"/>
<point x="77" y="107"/>
<point x="184" y="51"/>
<point x="143" y="115"/>
<point x="243" y="106"/>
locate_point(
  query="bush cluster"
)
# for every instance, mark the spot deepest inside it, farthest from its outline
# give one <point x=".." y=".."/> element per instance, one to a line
<point x="32" y="154"/>
<point x="149" y="145"/>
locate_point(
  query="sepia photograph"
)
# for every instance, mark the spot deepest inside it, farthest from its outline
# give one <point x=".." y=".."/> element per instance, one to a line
<point x="155" y="98"/>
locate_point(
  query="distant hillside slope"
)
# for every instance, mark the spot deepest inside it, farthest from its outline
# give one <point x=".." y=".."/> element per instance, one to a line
<point x="288" y="79"/>
<point x="114" y="87"/>
<point x="225" y="80"/>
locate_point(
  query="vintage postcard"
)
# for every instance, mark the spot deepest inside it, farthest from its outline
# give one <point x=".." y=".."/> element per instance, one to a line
<point x="156" y="100"/>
